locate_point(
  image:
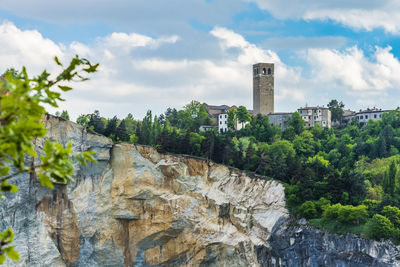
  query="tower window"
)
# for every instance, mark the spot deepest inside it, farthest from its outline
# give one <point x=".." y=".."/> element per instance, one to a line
<point x="269" y="71"/>
<point x="264" y="71"/>
<point x="255" y="72"/>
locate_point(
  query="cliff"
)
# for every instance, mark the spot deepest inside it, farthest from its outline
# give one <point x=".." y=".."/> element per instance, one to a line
<point x="136" y="207"/>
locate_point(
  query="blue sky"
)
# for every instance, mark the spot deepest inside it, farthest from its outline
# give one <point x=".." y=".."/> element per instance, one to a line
<point x="158" y="54"/>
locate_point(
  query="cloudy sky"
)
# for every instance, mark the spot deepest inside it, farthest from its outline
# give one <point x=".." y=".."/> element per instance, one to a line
<point x="156" y="54"/>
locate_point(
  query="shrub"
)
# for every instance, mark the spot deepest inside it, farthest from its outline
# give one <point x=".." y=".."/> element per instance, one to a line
<point x="308" y="210"/>
<point x="393" y="214"/>
<point x="380" y="227"/>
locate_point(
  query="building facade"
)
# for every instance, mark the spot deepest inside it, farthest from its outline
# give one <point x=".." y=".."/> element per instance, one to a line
<point x="316" y="115"/>
<point x="263" y="88"/>
<point x="279" y="119"/>
<point x="363" y="116"/>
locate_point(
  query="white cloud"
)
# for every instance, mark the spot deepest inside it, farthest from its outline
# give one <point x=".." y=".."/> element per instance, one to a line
<point x="19" y="47"/>
<point x="352" y="69"/>
<point x="134" y="76"/>
<point x="367" y="15"/>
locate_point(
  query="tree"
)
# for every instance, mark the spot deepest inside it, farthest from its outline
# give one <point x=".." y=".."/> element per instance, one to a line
<point x="393" y="214"/>
<point x="121" y="133"/>
<point x="146" y="136"/>
<point x="296" y="123"/>
<point x="336" y="109"/>
<point x="389" y="182"/>
<point x="96" y="123"/>
<point x="110" y="130"/>
<point x="21" y="110"/>
<point x="64" y="114"/>
<point x="242" y="115"/>
<point x="308" y="210"/>
<point x="83" y="120"/>
<point x="232" y="118"/>
<point x="380" y="227"/>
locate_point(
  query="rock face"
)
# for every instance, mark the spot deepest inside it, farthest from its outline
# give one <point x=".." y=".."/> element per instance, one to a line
<point x="297" y="244"/>
<point x="136" y="207"/>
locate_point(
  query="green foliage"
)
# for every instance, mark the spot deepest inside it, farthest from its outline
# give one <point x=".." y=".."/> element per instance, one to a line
<point x="380" y="227"/>
<point x="242" y="115"/>
<point x="393" y="214"/>
<point x="21" y="110"/>
<point x="308" y="210"/>
<point x="232" y="118"/>
<point x="336" y="109"/>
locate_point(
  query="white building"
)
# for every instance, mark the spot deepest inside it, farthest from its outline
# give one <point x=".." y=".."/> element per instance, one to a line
<point x="223" y="123"/>
<point x="364" y="116"/>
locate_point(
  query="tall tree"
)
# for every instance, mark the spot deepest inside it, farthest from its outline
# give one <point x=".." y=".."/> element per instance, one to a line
<point x="111" y="127"/>
<point x="121" y="132"/>
<point x="232" y="119"/>
<point x="243" y="115"/>
<point x="96" y="123"/>
<point x="146" y="135"/>
<point x="336" y="109"/>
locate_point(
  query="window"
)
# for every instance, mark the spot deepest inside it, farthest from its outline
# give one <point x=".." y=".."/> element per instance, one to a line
<point x="301" y="112"/>
<point x="361" y="117"/>
<point x="220" y="122"/>
<point x="220" y="116"/>
<point x="315" y="117"/>
<point x="380" y="115"/>
<point x="225" y="122"/>
<point x="374" y="116"/>
<point x="225" y="116"/>
<point x="309" y="117"/>
<point x="269" y="71"/>
<point x="323" y="122"/>
<point x="264" y="71"/>
<point x="255" y="72"/>
<point x="366" y="116"/>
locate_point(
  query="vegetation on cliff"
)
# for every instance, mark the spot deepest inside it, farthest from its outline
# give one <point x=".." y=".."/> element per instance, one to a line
<point x="344" y="179"/>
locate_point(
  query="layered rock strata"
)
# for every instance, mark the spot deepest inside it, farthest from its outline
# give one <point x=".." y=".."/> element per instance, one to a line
<point x="136" y="207"/>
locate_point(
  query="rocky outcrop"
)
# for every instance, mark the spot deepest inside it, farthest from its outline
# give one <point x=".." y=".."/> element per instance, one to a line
<point x="298" y="244"/>
<point x="136" y="207"/>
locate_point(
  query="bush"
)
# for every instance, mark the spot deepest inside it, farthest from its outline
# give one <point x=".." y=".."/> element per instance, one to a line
<point x="331" y="212"/>
<point x="393" y="214"/>
<point x="380" y="227"/>
<point x="308" y="210"/>
<point x="321" y="205"/>
<point x="352" y="215"/>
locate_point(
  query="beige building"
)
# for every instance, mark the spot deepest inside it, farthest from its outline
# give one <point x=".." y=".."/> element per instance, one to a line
<point x="316" y="115"/>
<point x="263" y="88"/>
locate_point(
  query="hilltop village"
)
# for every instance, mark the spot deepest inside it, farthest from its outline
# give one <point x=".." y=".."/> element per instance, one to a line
<point x="263" y="103"/>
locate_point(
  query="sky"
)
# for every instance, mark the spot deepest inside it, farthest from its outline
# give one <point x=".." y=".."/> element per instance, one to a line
<point x="155" y="54"/>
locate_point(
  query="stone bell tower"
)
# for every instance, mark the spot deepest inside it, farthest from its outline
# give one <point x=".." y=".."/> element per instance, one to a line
<point x="263" y="88"/>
